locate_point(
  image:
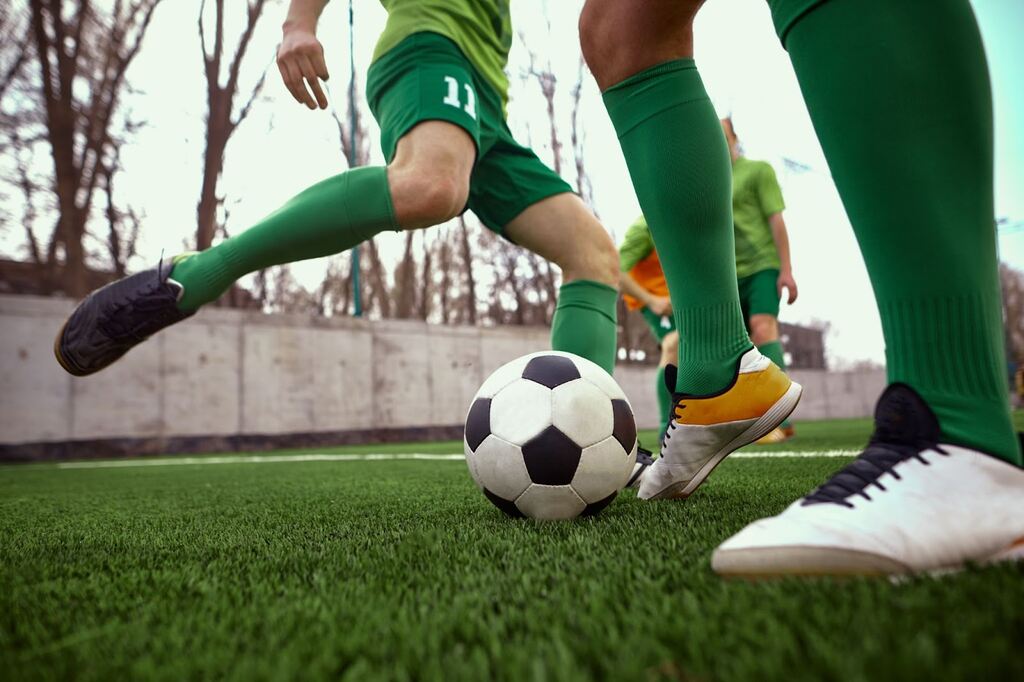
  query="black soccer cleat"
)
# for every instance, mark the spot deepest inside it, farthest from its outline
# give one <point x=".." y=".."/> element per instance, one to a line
<point x="117" y="317"/>
<point x="644" y="459"/>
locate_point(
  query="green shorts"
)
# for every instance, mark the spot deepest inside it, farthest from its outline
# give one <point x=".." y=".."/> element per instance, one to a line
<point x="661" y="325"/>
<point x="426" y="78"/>
<point x="759" y="294"/>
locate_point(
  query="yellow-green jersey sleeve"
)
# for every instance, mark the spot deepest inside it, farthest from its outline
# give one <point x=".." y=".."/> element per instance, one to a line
<point x="769" y="194"/>
<point x="636" y="245"/>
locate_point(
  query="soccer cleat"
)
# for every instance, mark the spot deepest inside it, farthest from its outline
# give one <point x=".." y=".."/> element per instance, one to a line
<point x="705" y="429"/>
<point x="117" y="317"/>
<point x="907" y="504"/>
<point x="643" y="461"/>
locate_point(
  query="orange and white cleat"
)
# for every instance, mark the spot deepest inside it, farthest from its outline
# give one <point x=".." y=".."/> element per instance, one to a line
<point x="705" y="429"/>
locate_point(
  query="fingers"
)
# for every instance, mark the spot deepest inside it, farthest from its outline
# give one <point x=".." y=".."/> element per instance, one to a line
<point x="792" y="293"/>
<point x="312" y="75"/>
<point x="292" y="77"/>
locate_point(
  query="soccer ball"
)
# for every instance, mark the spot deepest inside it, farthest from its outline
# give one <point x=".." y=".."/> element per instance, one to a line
<point x="550" y="436"/>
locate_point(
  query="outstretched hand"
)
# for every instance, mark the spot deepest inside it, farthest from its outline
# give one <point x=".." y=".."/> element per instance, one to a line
<point x="300" y="58"/>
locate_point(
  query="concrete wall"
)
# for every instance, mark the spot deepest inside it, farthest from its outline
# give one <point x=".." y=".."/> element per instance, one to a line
<point x="227" y="372"/>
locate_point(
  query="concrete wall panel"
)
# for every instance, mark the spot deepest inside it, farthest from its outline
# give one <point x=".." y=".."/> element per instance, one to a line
<point x="228" y="373"/>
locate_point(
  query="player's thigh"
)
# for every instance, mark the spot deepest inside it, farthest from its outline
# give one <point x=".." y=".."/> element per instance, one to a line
<point x="423" y="95"/>
<point x="563" y="230"/>
<point x="620" y="39"/>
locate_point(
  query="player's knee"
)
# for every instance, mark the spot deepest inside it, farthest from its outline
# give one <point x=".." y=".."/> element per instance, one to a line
<point x="763" y="329"/>
<point x="424" y="199"/>
<point x="598" y="41"/>
<point x="593" y="257"/>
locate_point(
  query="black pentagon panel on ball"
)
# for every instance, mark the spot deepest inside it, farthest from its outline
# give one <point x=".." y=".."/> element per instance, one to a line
<point x="478" y="423"/>
<point x="551" y="457"/>
<point x="595" y="507"/>
<point x="624" y="429"/>
<point x="551" y="370"/>
<point x="504" y="505"/>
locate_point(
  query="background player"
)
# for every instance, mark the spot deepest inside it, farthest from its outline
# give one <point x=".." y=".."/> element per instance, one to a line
<point x="644" y="288"/>
<point x="763" y="266"/>
<point x="438" y="89"/>
<point x="899" y="96"/>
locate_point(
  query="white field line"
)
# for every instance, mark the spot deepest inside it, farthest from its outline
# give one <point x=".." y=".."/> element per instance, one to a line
<point x="325" y="457"/>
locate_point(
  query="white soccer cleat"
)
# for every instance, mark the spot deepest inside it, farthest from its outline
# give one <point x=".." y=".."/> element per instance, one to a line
<point x="705" y="429"/>
<point x="907" y="504"/>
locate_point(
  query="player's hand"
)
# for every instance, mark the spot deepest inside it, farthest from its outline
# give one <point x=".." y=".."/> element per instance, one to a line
<point x="660" y="305"/>
<point x="787" y="282"/>
<point x="300" y="58"/>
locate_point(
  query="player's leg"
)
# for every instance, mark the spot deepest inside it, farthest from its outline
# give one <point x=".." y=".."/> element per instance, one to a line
<point x="669" y="353"/>
<point x="899" y="96"/>
<point x="760" y="298"/>
<point x="426" y="183"/>
<point x="431" y="147"/>
<point x="562" y="230"/>
<point x="728" y="394"/>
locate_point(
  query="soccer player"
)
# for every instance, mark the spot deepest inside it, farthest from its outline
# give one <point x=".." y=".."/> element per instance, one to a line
<point x="899" y="96"/>
<point x="763" y="267"/>
<point x="644" y="288"/>
<point x="437" y="87"/>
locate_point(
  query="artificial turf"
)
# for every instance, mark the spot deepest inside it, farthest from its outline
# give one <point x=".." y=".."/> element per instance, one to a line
<point x="402" y="570"/>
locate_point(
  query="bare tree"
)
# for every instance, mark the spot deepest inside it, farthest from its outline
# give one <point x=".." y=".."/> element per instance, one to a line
<point x="80" y="55"/>
<point x="222" y="119"/>
<point x="1012" y="282"/>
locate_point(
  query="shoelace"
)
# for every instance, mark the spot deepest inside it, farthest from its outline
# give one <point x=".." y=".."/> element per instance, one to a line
<point x="877" y="459"/>
<point x="672" y="419"/>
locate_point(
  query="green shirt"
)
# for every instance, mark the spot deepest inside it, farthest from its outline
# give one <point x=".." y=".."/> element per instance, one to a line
<point x="481" y="28"/>
<point x="636" y="245"/>
<point x="756" y="196"/>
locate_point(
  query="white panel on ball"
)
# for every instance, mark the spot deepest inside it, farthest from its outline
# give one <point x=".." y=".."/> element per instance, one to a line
<point x="502" y="377"/>
<point x="602" y="380"/>
<point x="582" y="411"/>
<point x="500" y="467"/>
<point x="520" y="411"/>
<point x="550" y="502"/>
<point x="604" y="468"/>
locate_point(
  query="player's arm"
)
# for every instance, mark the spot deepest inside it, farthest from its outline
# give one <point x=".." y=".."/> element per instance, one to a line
<point x="770" y="196"/>
<point x="300" y="57"/>
<point x="781" y="237"/>
<point x="637" y="245"/>
<point x="659" y="305"/>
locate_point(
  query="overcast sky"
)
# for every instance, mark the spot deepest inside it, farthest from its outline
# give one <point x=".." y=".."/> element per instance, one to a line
<point x="283" y="147"/>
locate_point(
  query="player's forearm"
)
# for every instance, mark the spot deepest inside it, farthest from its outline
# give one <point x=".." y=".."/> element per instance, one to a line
<point x="304" y="14"/>
<point x="630" y="286"/>
<point x="781" y="237"/>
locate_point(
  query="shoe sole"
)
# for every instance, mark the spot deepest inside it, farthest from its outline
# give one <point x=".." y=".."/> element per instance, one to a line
<point x="766" y="562"/>
<point x="768" y="422"/>
<point x="65" y="365"/>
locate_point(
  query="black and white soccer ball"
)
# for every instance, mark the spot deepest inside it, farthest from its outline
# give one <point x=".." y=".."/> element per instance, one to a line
<point x="550" y="436"/>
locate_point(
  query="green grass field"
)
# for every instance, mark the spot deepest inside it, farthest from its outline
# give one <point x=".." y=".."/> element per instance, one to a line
<point x="402" y="570"/>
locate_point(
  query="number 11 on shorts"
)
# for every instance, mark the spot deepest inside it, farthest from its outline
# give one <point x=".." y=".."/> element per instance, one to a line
<point x="452" y="98"/>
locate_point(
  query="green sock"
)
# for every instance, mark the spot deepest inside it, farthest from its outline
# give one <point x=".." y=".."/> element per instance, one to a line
<point x="679" y="163"/>
<point x="899" y="95"/>
<point x="664" y="397"/>
<point x="773" y="351"/>
<point x="585" y="322"/>
<point x="327" y="218"/>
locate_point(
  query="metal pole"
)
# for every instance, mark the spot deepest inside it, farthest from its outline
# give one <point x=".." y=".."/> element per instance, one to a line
<point x="356" y="291"/>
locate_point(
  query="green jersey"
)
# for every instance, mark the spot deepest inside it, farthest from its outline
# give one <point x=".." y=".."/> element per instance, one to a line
<point x="756" y="196"/>
<point x="481" y="28"/>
